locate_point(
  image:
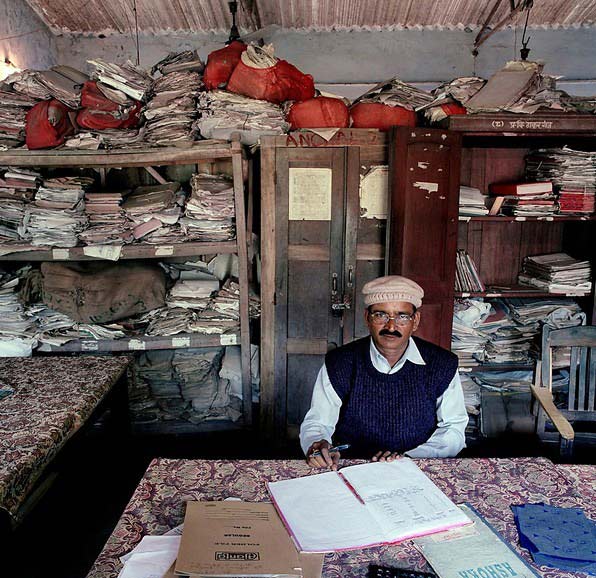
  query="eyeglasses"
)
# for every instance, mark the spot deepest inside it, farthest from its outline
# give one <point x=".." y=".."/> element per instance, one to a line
<point x="382" y="318"/>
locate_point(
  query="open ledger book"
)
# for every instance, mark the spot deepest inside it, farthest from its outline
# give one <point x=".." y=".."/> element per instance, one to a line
<point x="364" y="505"/>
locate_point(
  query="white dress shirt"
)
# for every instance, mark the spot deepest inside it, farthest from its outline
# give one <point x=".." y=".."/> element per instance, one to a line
<point x="446" y="441"/>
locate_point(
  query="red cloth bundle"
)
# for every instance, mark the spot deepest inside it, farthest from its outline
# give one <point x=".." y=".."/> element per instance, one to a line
<point x="101" y="120"/>
<point x="47" y="125"/>
<point x="319" y="112"/>
<point x="221" y="63"/>
<point x="275" y="84"/>
<point x="91" y="97"/>
<point x="381" y="116"/>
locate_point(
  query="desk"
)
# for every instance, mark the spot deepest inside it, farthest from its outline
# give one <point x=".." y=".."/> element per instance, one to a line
<point x="53" y="398"/>
<point x="490" y="485"/>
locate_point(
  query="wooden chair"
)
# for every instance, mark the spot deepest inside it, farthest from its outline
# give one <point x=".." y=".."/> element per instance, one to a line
<point x="582" y="386"/>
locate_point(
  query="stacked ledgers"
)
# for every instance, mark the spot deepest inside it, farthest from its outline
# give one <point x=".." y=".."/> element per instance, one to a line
<point x="572" y="172"/>
<point x="467" y="278"/>
<point x="472" y="202"/>
<point x="507" y="331"/>
<point x="534" y="199"/>
<point x="557" y="273"/>
<point x="107" y="222"/>
<point x="223" y="113"/>
<point x="13" y="110"/>
<point x="210" y="209"/>
<point x="57" y="215"/>
<point x="16" y="187"/>
<point x="171" y="109"/>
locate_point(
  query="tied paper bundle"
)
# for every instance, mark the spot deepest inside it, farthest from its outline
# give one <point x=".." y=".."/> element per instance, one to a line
<point x="27" y="83"/>
<point x="107" y="221"/>
<point x="13" y="111"/>
<point x="557" y="273"/>
<point x="172" y="108"/>
<point x="222" y="113"/>
<point x="451" y="97"/>
<point x="127" y="78"/>
<point x="210" y="210"/>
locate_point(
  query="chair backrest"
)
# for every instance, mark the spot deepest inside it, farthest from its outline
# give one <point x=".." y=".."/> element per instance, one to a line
<point x="582" y="369"/>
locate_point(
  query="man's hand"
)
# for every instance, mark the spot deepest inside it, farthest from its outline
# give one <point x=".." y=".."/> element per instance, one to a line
<point x="323" y="459"/>
<point x="385" y="456"/>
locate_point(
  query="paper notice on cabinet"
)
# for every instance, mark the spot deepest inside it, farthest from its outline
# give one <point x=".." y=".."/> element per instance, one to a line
<point x="310" y="194"/>
<point x="374" y="193"/>
<point x="109" y="252"/>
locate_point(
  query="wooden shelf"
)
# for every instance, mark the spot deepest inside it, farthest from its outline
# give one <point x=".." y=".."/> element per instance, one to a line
<point x="186" y="427"/>
<point x="523" y="125"/>
<point x="496" y="367"/>
<point x="134" y="251"/>
<point x="513" y="292"/>
<point x="508" y="219"/>
<point x="201" y="150"/>
<point x="142" y="343"/>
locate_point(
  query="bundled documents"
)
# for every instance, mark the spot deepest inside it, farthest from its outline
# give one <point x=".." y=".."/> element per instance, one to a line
<point x="210" y="212"/>
<point x="394" y="92"/>
<point x="449" y="94"/>
<point x="12" y="213"/>
<point x="172" y="108"/>
<point x="13" y="110"/>
<point x="127" y="78"/>
<point x="27" y="82"/>
<point x="54" y="228"/>
<point x="222" y="113"/>
<point x="61" y="87"/>
<point x="467" y="278"/>
<point x="107" y="221"/>
<point x="557" y="273"/>
<point x="472" y="202"/>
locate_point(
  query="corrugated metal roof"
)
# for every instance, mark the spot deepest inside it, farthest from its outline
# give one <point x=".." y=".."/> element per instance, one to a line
<point x="117" y="16"/>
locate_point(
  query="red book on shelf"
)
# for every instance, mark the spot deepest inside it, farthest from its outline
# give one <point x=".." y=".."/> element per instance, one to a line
<point x="520" y="189"/>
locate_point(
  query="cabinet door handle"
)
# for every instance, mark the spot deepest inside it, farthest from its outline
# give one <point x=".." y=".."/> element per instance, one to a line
<point x="334" y="284"/>
<point x="350" y="276"/>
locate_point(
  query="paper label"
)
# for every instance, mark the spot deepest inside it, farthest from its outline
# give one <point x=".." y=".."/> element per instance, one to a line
<point x="310" y="194"/>
<point x="374" y="193"/>
<point x="430" y="187"/>
<point x="60" y="254"/>
<point x="89" y="345"/>
<point x="164" y="250"/>
<point x="180" y="341"/>
<point x="109" y="252"/>
<point x="228" y="339"/>
<point x="136" y="345"/>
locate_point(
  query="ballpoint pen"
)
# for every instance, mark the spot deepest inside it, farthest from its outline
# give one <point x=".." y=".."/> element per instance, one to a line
<point x="333" y="449"/>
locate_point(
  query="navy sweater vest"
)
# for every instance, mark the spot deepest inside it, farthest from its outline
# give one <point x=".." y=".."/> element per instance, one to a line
<point x="387" y="412"/>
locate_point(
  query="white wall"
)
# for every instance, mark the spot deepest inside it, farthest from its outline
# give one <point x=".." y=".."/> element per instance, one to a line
<point x="31" y="44"/>
<point x="346" y="58"/>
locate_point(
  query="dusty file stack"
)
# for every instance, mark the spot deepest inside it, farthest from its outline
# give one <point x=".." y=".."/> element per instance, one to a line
<point x="107" y="221"/>
<point x="557" y="273"/>
<point x="13" y="109"/>
<point x="172" y="108"/>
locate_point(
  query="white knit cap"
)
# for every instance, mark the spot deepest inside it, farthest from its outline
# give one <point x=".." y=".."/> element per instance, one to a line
<point x="392" y="288"/>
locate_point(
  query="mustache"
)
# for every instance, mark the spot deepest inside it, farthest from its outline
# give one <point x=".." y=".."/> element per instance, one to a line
<point x="395" y="333"/>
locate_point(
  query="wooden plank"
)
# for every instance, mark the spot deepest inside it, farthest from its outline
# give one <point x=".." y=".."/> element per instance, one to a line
<point x="118" y="157"/>
<point x="156" y="175"/>
<point x="545" y="398"/>
<point x="370" y="252"/>
<point x="308" y="252"/>
<point x="142" y="343"/>
<point x="537" y="124"/>
<point x="268" y="255"/>
<point x="307" y="346"/>
<point x="134" y="251"/>
<point x="343" y="137"/>
<point x="592" y="380"/>
<point x="582" y="375"/>
<point x="241" y="238"/>
<point x="573" y="378"/>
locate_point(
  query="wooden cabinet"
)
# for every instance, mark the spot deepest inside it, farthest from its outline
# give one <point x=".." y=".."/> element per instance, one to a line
<point x="313" y="268"/>
<point x="317" y="252"/>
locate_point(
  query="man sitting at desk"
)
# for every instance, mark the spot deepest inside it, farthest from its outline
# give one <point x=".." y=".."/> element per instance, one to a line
<point x="387" y="394"/>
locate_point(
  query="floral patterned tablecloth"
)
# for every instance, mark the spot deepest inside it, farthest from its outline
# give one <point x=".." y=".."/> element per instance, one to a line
<point x="490" y="485"/>
<point x="53" y="397"/>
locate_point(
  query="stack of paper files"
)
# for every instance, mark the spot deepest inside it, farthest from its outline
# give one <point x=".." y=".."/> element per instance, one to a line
<point x="53" y="227"/>
<point x="557" y="273"/>
<point x="61" y="87"/>
<point x="13" y="110"/>
<point x="63" y="193"/>
<point x="222" y="113"/>
<point x="573" y="173"/>
<point x="227" y="300"/>
<point x="12" y="213"/>
<point x="471" y="393"/>
<point x="394" y="92"/>
<point x="172" y="108"/>
<point x="468" y="340"/>
<point x="560" y="537"/>
<point x="458" y="91"/>
<point x="212" y="545"/>
<point x="21" y="179"/>
<point x="127" y="78"/>
<point x="472" y="202"/>
<point x="107" y="221"/>
<point x="557" y="313"/>
<point x="26" y="82"/>
<point x="363" y="505"/>
<point x="467" y="278"/>
<point x="525" y="199"/>
<point x="209" y="212"/>
<point x="14" y="322"/>
<point x="192" y="293"/>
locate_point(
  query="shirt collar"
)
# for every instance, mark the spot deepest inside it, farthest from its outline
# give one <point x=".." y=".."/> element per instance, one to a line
<point x="412" y="353"/>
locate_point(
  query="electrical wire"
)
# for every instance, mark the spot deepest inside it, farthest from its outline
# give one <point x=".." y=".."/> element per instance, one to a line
<point x="22" y="34"/>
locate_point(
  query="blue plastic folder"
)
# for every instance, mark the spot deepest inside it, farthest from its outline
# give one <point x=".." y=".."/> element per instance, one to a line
<point x="560" y="537"/>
